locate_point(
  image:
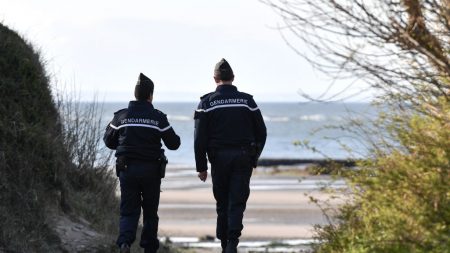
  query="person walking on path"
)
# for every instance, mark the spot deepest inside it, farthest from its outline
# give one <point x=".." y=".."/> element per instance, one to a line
<point x="230" y="133"/>
<point x="136" y="133"/>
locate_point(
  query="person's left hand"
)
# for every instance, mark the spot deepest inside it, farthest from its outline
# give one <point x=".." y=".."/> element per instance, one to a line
<point x="203" y="175"/>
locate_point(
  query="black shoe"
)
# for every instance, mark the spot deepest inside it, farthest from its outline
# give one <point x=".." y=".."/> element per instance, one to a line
<point x="232" y="246"/>
<point x="124" y="248"/>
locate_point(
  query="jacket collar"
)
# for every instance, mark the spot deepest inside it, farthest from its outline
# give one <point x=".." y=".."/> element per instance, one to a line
<point x="226" y="87"/>
<point x="136" y="103"/>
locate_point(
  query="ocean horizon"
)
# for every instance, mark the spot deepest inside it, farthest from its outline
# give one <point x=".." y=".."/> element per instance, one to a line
<point x="287" y="123"/>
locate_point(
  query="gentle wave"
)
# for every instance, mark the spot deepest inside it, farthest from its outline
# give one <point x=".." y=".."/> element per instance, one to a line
<point x="188" y="118"/>
<point x="179" y="117"/>
<point x="313" y="117"/>
<point x="275" y="119"/>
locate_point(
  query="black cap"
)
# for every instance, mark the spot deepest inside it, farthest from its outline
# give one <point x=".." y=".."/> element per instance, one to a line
<point x="144" y="87"/>
<point x="223" y="70"/>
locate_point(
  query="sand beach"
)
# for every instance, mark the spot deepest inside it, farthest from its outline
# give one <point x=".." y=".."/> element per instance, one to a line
<point x="278" y="210"/>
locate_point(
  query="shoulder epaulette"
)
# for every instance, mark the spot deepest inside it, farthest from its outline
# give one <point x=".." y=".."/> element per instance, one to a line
<point x="207" y="94"/>
<point x="121" y="110"/>
<point x="158" y="111"/>
<point x="250" y="95"/>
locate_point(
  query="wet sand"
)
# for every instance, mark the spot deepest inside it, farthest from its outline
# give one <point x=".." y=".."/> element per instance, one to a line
<point x="279" y="207"/>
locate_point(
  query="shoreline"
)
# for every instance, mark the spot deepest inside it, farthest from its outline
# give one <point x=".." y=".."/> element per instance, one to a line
<point x="292" y="162"/>
<point x="270" y="162"/>
<point x="279" y="214"/>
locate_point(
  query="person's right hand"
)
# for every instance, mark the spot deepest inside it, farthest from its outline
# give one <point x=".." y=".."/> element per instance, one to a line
<point x="203" y="175"/>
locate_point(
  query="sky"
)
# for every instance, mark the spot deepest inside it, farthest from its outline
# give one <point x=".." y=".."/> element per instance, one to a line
<point x="100" y="47"/>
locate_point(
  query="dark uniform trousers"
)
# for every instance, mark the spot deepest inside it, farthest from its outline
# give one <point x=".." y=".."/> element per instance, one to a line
<point x="231" y="170"/>
<point x="140" y="186"/>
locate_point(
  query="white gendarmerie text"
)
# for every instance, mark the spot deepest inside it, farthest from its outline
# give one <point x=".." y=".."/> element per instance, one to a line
<point x="228" y="101"/>
<point x="139" y="121"/>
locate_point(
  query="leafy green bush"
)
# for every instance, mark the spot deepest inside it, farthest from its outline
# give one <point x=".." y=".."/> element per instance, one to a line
<point x="401" y="200"/>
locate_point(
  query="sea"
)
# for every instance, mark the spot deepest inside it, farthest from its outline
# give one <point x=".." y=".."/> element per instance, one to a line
<point x="318" y="124"/>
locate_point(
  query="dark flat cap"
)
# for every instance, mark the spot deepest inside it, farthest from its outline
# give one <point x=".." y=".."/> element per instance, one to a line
<point x="223" y="70"/>
<point x="143" y="79"/>
<point x="144" y="87"/>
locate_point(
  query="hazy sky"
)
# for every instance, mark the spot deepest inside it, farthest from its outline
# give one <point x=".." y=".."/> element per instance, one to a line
<point x="101" y="46"/>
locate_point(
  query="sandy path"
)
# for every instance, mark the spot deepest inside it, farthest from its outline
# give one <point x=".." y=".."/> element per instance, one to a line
<point x="270" y="214"/>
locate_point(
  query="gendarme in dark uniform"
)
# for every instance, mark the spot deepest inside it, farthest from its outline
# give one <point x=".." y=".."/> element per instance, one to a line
<point x="230" y="131"/>
<point x="136" y="133"/>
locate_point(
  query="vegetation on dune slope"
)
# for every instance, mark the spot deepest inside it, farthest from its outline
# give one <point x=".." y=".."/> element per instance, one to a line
<point x="38" y="180"/>
<point x="54" y="176"/>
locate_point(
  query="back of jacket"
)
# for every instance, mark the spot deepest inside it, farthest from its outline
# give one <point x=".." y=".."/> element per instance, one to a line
<point x="136" y="132"/>
<point x="226" y="118"/>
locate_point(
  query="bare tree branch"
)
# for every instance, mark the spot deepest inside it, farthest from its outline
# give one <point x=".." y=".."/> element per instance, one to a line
<point x="398" y="47"/>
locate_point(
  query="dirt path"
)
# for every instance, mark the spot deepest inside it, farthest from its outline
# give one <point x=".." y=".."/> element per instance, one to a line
<point x="77" y="235"/>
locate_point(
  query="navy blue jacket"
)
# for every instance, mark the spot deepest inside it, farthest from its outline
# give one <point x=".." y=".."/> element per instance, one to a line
<point x="136" y="132"/>
<point x="226" y="118"/>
